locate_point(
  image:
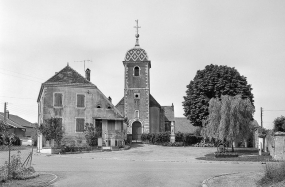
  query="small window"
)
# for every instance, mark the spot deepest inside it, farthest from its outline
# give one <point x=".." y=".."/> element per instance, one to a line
<point x="80" y="100"/>
<point x="57" y="99"/>
<point x="108" y="107"/>
<point x="80" y="124"/>
<point x="137" y="114"/>
<point x="98" y="106"/>
<point x="137" y="71"/>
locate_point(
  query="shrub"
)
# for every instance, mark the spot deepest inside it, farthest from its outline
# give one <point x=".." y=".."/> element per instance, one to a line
<point x="16" y="169"/>
<point x="164" y="137"/>
<point x="17" y="141"/>
<point x="273" y="173"/>
<point x="92" y="134"/>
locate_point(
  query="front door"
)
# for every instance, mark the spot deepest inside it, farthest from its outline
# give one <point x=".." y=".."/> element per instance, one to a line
<point x="136" y="131"/>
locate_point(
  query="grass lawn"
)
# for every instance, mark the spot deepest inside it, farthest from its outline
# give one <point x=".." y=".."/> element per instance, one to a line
<point x="245" y="155"/>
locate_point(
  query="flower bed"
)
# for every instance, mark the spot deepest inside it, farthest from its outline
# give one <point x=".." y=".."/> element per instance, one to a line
<point x="225" y="155"/>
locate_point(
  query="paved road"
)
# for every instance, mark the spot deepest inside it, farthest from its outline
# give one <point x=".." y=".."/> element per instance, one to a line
<point x="144" y="165"/>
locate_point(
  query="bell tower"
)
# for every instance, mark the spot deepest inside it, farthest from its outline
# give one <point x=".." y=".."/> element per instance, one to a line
<point x="137" y="89"/>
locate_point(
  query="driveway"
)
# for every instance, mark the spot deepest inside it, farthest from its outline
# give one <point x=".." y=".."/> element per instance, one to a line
<point x="142" y="165"/>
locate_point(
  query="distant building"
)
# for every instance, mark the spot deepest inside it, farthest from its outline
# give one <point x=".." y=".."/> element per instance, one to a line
<point x="19" y="126"/>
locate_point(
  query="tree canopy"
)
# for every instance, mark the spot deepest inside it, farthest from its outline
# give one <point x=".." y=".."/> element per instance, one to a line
<point x="279" y="124"/>
<point x="229" y="118"/>
<point x="212" y="82"/>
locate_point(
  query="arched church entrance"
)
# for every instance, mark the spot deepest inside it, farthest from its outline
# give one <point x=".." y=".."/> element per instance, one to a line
<point x="136" y="131"/>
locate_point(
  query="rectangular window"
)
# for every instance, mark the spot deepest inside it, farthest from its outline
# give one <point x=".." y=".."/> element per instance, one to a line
<point x="80" y="124"/>
<point x="80" y="100"/>
<point x="111" y="125"/>
<point x="57" y="98"/>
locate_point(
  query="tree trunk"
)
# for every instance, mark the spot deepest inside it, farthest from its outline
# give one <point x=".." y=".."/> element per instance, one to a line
<point x="233" y="146"/>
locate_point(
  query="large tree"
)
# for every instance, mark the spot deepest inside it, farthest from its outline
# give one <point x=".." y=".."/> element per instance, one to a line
<point x="212" y="82"/>
<point x="230" y="118"/>
<point x="279" y="124"/>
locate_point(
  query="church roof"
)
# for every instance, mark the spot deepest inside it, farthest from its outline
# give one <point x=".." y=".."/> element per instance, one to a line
<point x="153" y="102"/>
<point x="136" y="54"/>
<point x="182" y="124"/>
<point x="168" y="113"/>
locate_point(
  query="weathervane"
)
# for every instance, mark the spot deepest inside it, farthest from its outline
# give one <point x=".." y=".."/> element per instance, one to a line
<point x="137" y="35"/>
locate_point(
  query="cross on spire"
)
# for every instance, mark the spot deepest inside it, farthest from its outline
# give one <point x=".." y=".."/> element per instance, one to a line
<point x="137" y="35"/>
<point x="137" y="27"/>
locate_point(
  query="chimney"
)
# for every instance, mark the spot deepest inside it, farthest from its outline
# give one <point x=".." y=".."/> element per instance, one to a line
<point x="110" y="99"/>
<point x="87" y="74"/>
<point x="7" y="114"/>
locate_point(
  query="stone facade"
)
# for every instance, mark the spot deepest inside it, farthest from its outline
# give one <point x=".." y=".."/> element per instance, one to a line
<point x="143" y="112"/>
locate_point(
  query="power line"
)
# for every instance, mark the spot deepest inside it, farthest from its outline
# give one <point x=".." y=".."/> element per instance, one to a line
<point x="18" y="97"/>
<point x="21" y="77"/>
<point x="22" y="74"/>
<point x="273" y="110"/>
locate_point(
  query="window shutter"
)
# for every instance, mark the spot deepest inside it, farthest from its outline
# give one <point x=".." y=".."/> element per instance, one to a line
<point x="80" y="100"/>
<point x="57" y="99"/>
<point x="80" y="124"/>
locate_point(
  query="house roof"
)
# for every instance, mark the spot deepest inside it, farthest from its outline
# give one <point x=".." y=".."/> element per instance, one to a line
<point x="19" y="120"/>
<point x="10" y="122"/>
<point x="168" y="113"/>
<point x="69" y="77"/>
<point x="66" y="77"/>
<point x="182" y="124"/>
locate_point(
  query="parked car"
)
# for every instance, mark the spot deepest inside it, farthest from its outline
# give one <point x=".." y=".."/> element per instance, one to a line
<point x="26" y="141"/>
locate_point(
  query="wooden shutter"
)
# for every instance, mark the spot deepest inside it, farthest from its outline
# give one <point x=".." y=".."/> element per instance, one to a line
<point x="57" y="99"/>
<point x="80" y="100"/>
<point x="80" y="124"/>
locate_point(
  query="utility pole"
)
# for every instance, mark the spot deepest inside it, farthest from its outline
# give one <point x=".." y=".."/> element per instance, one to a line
<point x="261" y="110"/>
<point x="5" y="115"/>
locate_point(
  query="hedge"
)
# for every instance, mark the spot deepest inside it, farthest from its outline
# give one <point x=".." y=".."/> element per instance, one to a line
<point x="164" y="137"/>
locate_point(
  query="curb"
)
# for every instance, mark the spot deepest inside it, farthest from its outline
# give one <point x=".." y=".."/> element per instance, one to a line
<point x="204" y="183"/>
<point x="51" y="181"/>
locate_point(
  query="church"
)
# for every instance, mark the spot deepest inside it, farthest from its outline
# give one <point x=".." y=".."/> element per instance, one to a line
<point x="75" y="100"/>
<point x="143" y="112"/>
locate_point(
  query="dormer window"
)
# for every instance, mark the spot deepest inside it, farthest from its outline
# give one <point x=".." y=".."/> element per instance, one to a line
<point x="136" y="71"/>
<point x="99" y="106"/>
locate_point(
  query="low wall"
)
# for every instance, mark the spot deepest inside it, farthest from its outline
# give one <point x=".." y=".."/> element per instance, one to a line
<point x="279" y="146"/>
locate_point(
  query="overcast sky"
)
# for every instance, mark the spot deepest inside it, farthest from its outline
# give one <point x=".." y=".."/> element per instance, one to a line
<point x="38" y="38"/>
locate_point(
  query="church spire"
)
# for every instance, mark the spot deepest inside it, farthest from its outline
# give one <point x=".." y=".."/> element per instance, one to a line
<point x="137" y="35"/>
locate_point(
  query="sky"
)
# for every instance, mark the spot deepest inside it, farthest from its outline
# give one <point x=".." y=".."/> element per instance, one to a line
<point x="39" y="38"/>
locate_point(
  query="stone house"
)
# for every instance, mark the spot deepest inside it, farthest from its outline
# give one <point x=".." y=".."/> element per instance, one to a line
<point x="76" y="101"/>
